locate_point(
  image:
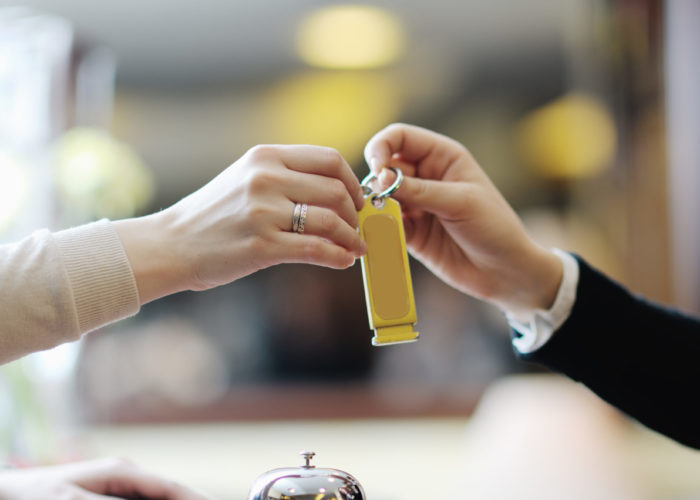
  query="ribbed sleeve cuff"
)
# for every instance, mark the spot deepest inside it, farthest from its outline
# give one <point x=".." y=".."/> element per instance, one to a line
<point x="103" y="284"/>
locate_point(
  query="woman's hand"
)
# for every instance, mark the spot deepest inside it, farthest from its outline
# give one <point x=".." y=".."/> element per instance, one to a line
<point x="459" y="225"/>
<point x="92" y="480"/>
<point x="241" y="222"/>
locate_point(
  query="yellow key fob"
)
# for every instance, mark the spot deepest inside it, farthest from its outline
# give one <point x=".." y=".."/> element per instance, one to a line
<point x="387" y="277"/>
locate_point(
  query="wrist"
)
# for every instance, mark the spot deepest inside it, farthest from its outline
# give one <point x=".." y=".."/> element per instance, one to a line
<point x="536" y="286"/>
<point x="151" y="249"/>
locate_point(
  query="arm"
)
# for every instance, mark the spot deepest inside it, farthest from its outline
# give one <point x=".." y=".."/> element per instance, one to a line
<point x="638" y="356"/>
<point x="241" y="222"/>
<point x="56" y="287"/>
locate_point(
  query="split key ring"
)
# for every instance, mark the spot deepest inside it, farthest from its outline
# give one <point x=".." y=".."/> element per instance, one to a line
<point x="379" y="197"/>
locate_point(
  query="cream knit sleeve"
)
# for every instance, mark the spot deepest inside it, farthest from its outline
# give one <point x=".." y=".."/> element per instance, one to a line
<point x="56" y="286"/>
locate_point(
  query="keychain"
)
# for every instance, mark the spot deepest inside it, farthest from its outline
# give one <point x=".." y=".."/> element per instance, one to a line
<point x="388" y="289"/>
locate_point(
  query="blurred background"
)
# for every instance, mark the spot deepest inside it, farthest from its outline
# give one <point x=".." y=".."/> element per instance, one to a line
<point x="584" y="113"/>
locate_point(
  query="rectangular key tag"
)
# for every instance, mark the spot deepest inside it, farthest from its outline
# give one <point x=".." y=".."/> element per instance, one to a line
<point x="387" y="277"/>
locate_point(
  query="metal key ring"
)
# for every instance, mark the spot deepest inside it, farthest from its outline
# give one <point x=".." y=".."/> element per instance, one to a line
<point x="388" y="191"/>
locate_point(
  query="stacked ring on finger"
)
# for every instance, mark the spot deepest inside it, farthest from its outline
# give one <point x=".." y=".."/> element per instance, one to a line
<point x="299" y="217"/>
<point x="295" y="217"/>
<point x="302" y="218"/>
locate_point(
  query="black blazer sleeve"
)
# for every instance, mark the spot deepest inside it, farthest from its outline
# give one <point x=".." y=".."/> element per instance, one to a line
<point x="638" y="356"/>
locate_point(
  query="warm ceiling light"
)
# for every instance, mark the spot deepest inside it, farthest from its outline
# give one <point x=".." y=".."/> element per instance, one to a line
<point x="350" y="36"/>
<point x="572" y="137"/>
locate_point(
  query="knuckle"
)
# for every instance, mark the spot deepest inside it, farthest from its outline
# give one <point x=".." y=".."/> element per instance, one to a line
<point x="394" y="127"/>
<point x="261" y="152"/>
<point x="337" y="191"/>
<point x="333" y="161"/>
<point x="257" y="212"/>
<point x="420" y="190"/>
<point x="333" y="157"/>
<point x="259" y="181"/>
<point x="460" y="149"/>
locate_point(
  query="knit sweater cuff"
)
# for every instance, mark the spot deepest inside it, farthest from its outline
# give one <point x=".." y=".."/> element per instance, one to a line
<point x="103" y="284"/>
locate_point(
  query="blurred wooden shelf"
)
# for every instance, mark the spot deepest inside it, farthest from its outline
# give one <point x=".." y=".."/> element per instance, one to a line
<point x="300" y="401"/>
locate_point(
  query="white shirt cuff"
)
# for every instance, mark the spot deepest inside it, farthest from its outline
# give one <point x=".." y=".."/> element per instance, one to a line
<point x="542" y="324"/>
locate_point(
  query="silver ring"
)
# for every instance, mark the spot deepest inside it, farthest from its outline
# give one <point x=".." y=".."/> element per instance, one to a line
<point x="388" y="191"/>
<point x="302" y="219"/>
<point x="295" y="217"/>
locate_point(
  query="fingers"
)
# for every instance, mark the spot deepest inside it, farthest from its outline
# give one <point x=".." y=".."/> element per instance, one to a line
<point x="395" y="139"/>
<point x="308" y="249"/>
<point x="316" y="160"/>
<point x="444" y="199"/>
<point x="321" y="191"/>
<point x="326" y="224"/>
<point x="431" y="153"/>
<point x="327" y="239"/>
<point x="321" y="179"/>
<point x="140" y="484"/>
<point x="115" y="477"/>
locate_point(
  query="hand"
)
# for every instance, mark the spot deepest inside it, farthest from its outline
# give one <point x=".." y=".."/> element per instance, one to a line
<point x="93" y="480"/>
<point x="241" y="222"/>
<point x="459" y="225"/>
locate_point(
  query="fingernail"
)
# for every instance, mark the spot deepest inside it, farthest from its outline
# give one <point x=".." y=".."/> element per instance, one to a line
<point x="374" y="164"/>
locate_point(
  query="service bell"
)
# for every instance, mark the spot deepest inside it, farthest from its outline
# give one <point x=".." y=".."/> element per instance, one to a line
<point x="306" y="483"/>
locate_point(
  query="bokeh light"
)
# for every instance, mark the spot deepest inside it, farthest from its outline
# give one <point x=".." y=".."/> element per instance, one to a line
<point x="336" y="109"/>
<point x="350" y="36"/>
<point x="99" y="176"/>
<point x="571" y="137"/>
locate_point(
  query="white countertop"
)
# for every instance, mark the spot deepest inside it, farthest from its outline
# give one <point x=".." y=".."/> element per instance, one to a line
<point x="393" y="460"/>
<point x="528" y="439"/>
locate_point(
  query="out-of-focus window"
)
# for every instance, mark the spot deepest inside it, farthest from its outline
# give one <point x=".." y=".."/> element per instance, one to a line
<point x="35" y="52"/>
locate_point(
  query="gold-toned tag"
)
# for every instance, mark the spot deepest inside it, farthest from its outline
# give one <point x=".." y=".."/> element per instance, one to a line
<point x="386" y="273"/>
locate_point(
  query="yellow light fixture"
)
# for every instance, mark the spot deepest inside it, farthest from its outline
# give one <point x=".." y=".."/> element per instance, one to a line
<point x="571" y="137"/>
<point x="350" y="36"/>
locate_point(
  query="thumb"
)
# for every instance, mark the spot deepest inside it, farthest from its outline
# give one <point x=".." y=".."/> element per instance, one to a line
<point x="441" y="198"/>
